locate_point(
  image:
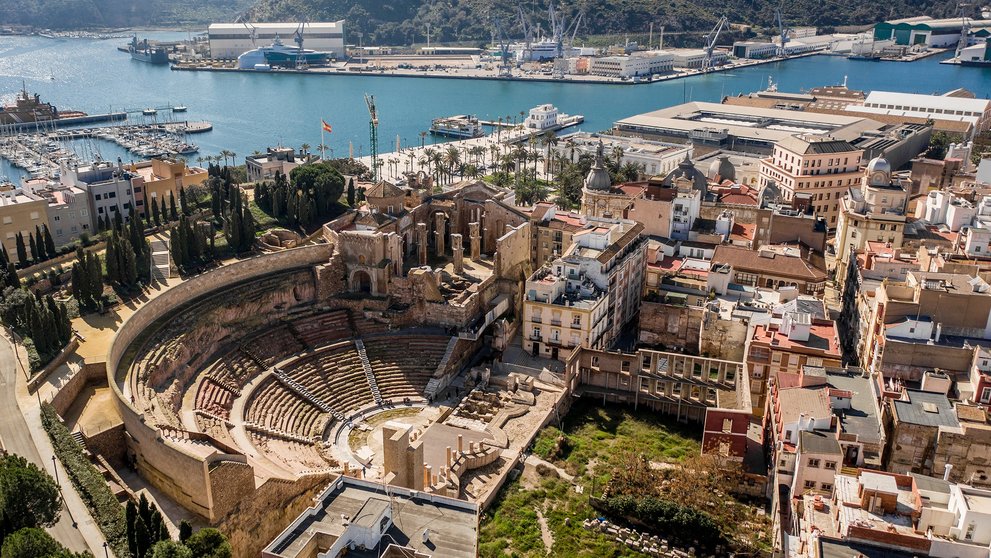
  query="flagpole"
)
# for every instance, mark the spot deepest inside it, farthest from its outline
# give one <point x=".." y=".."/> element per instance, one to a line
<point x="323" y="144"/>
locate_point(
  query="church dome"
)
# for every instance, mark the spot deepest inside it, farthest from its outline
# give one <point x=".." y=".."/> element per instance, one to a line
<point x="598" y="178"/>
<point x="722" y="169"/>
<point x="686" y="171"/>
<point x="878" y="169"/>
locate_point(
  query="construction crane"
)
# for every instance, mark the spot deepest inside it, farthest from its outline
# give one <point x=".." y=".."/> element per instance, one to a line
<point x="527" y="30"/>
<point x="782" y="33"/>
<point x="710" y="43"/>
<point x="505" y="64"/>
<point x="298" y="39"/>
<point x="373" y="134"/>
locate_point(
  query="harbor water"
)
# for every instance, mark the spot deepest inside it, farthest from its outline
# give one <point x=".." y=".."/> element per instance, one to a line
<point x="252" y="111"/>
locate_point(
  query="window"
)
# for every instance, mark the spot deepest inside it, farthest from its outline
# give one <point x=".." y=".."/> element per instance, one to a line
<point x="625" y="366"/>
<point x="595" y="362"/>
<point x="113" y="195"/>
<point x="34" y="215"/>
<point x="831" y="465"/>
<point x="809" y="485"/>
<point x="826" y="486"/>
<point x="7" y="220"/>
<point x="787" y="434"/>
<point x="536" y="332"/>
<point x="727" y="426"/>
<point x="814" y="463"/>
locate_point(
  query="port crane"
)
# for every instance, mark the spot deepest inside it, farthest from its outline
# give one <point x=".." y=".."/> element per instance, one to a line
<point x="505" y="64"/>
<point x="373" y="134"/>
<point x="297" y="38"/>
<point x="561" y="29"/>
<point x="710" y="43"/>
<point x="782" y="33"/>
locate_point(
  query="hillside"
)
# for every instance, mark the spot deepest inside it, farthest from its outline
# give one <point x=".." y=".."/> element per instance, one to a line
<point x="406" y="21"/>
<point x="78" y="14"/>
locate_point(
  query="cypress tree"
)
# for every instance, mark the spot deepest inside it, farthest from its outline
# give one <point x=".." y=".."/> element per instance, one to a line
<point x="39" y="240"/>
<point x="22" y="253"/>
<point x="50" y="243"/>
<point x="12" y="279"/>
<point x="112" y="258"/>
<point x="173" y="214"/>
<point x="155" y="215"/>
<point x="185" y="530"/>
<point x="183" y="202"/>
<point x="128" y="266"/>
<point x="131" y="517"/>
<point x="34" y="247"/>
<point x="351" y="192"/>
<point x="118" y="221"/>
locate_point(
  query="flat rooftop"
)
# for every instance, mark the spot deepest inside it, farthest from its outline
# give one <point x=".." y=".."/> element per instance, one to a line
<point x="764" y="125"/>
<point x="452" y="524"/>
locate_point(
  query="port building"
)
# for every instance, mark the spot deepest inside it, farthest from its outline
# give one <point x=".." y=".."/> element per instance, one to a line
<point x="230" y="40"/>
<point x="711" y="126"/>
<point x="956" y="105"/>
<point x="923" y="30"/>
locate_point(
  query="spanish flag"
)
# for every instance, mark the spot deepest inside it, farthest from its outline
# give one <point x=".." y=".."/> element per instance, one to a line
<point x="326" y="127"/>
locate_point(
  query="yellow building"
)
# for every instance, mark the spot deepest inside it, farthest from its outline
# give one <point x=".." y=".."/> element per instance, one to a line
<point x="158" y="177"/>
<point x="20" y="212"/>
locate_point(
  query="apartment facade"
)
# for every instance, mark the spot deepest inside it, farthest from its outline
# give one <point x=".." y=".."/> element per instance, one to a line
<point x="819" y="166"/>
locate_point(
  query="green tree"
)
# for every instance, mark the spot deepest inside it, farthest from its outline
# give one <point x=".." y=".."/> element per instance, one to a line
<point x="169" y="549"/>
<point x="173" y="214"/>
<point x="183" y="202"/>
<point x="32" y="542"/>
<point x="49" y="243"/>
<point x="209" y="543"/>
<point x="34" y="248"/>
<point x="939" y="143"/>
<point x="22" y="253"/>
<point x="156" y="215"/>
<point x="185" y="530"/>
<point x="351" y="192"/>
<point x="28" y="496"/>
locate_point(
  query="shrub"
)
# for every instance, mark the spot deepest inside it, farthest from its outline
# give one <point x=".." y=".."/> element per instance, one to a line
<point x="667" y="519"/>
<point x="93" y="489"/>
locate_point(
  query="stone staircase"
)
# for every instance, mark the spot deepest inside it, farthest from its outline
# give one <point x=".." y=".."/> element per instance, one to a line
<point x="301" y="391"/>
<point x="369" y="374"/>
<point x="296" y="335"/>
<point x="435" y="386"/>
<point x="161" y="259"/>
<point x="78" y="437"/>
<point x="276" y="433"/>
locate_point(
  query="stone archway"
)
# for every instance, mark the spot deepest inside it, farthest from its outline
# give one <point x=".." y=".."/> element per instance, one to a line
<point x="361" y="282"/>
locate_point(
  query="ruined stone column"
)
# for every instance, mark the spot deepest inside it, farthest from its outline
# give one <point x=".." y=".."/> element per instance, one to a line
<point x="439" y="220"/>
<point x="474" y="238"/>
<point x="421" y="242"/>
<point x="459" y="253"/>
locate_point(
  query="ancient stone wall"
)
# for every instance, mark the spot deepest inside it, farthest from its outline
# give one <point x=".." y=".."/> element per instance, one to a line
<point x="67" y="394"/>
<point x="230" y="483"/>
<point x="670" y="325"/>
<point x="109" y="443"/>
<point x="255" y="521"/>
<point x="513" y="253"/>
<point x="179" y="474"/>
<point x="725" y="339"/>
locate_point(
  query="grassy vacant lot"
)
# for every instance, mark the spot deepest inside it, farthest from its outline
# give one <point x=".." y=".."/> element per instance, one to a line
<point x="592" y="442"/>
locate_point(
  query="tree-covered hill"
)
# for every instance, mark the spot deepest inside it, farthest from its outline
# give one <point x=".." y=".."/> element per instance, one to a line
<point x="89" y="14"/>
<point x="406" y="21"/>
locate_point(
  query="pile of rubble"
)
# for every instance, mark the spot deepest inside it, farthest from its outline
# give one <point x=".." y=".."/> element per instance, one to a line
<point x="650" y="545"/>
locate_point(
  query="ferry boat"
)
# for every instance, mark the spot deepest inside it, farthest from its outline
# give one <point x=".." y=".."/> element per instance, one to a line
<point x="149" y="112"/>
<point x="279" y="54"/>
<point x="180" y="108"/>
<point x="143" y="52"/>
<point x="462" y="126"/>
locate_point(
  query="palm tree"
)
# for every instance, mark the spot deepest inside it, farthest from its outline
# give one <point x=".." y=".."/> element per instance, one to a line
<point x="304" y="149"/>
<point x="438" y="158"/>
<point x="452" y="159"/>
<point x="423" y="138"/>
<point x="429" y="153"/>
<point x="493" y="156"/>
<point x="225" y="154"/>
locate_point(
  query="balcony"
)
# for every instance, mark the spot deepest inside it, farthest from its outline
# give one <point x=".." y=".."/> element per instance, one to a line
<point x="536" y="319"/>
<point x="556" y="322"/>
<point x="533" y="337"/>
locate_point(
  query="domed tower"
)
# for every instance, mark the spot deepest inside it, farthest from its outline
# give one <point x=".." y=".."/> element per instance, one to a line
<point x="686" y="176"/>
<point x="878" y="172"/>
<point x="598" y="178"/>
<point x="722" y="169"/>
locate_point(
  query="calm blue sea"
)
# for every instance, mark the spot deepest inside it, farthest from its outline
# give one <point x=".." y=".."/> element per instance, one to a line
<point x="252" y="111"/>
